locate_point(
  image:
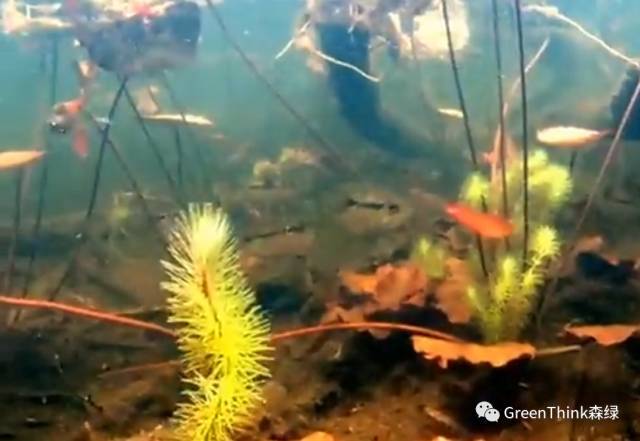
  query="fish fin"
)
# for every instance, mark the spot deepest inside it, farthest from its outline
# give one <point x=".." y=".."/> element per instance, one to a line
<point x="80" y="141"/>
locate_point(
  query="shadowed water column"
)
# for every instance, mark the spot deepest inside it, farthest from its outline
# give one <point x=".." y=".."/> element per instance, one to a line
<point x="358" y="95"/>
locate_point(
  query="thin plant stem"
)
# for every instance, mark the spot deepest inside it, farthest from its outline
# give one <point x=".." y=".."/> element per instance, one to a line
<point x="94" y="192"/>
<point x="180" y="159"/>
<point x="17" y="218"/>
<point x="611" y="153"/>
<point x="204" y="170"/>
<point x="116" y="319"/>
<point x="501" y="122"/>
<point x="545" y="352"/>
<point x="88" y="313"/>
<point x="133" y="182"/>
<point x="362" y="326"/>
<point x="467" y="124"/>
<point x="44" y="174"/>
<point x="154" y="148"/>
<point x="525" y="135"/>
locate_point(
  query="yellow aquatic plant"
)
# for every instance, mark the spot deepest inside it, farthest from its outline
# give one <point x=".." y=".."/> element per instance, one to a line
<point x="502" y="303"/>
<point x="504" y="310"/>
<point x="429" y="257"/>
<point x="475" y="190"/>
<point x="223" y="336"/>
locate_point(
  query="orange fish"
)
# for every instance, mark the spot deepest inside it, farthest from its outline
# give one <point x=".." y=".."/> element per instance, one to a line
<point x="19" y="158"/>
<point x="486" y="225"/>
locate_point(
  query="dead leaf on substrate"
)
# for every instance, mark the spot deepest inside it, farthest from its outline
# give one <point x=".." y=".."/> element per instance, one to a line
<point x="605" y="335"/>
<point x="387" y="289"/>
<point x="496" y="355"/>
<point x="391" y="286"/>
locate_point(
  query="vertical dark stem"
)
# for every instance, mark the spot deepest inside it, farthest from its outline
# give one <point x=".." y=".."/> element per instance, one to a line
<point x="467" y="125"/>
<point x="525" y="135"/>
<point x="44" y="174"/>
<point x="501" y="123"/>
<point x="94" y="191"/>
<point x="154" y="149"/>
<point x="180" y="161"/>
<point x="133" y="182"/>
<point x="572" y="162"/>
<point x="17" y="216"/>
<point x="198" y="149"/>
<point x="101" y="151"/>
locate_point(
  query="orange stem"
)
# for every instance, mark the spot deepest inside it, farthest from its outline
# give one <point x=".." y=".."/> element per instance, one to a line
<point x="383" y="326"/>
<point x="108" y="317"/>
<point x="89" y="313"/>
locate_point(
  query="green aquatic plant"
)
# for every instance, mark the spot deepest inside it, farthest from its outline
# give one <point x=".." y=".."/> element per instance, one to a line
<point x="502" y="301"/>
<point x="504" y="309"/>
<point x="222" y="334"/>
<point x="429" y="257"/>
<point x="118" y="216"/>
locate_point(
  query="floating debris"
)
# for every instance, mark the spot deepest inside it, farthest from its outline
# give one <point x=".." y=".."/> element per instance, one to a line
<point x="570" y="137"/>
<point x="176" y="119"/>
<point x="19" y="158"/>
<point x="454" y="113"/>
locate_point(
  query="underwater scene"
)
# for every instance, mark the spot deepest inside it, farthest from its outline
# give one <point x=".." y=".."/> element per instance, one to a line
<point x="319" y="220"/>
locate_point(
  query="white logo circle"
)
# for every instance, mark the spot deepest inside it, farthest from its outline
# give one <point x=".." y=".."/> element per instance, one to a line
<point x="484" y="409"/>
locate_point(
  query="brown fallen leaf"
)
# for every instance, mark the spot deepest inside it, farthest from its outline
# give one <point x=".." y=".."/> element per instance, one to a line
<point x="497" y="355"/>
<point x="391" y="286"/>
<point x="605" y="335"/>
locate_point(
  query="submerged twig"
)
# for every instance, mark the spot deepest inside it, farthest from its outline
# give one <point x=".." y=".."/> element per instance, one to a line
<point x="467" y="125"/>
<point x="553" y="12"/>
<point x="611" y="152"/>
<point x="525" y="135"/>
<point x="328" y="58"/>
<point x="325" y="144"/>
<point x="291" y="42"/>
<point x="344" y="64"/>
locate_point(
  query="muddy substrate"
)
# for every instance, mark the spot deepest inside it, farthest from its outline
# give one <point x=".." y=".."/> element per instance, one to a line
<point x="63" y="379"/>
<point x="67" y="379"/>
